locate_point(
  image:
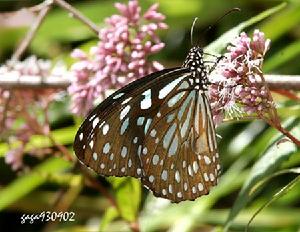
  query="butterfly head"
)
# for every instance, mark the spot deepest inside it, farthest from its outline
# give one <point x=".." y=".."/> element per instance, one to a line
<point x="194" y="58"/>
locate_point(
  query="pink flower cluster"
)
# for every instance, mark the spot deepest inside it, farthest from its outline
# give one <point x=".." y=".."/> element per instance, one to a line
<point x="19" y="108"/>
<point x="121" y="55"/>
<point x="237" y="86"/>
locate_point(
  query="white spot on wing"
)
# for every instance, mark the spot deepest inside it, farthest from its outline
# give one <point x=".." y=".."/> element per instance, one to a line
<point x="170" y="118"/>
<point x="200" y="187"/>
<point x="205" y="176"/>
<point x="177" y="176"/>
<point x="184" y="85"/>
<point x="140" y="121"/>
<point x="185" y="186"/>
<point x="155" y="159"/>
<point x="147" y="125"/>
<point x="164" y="175"/>
<point x="80" y="136"/>
<point x="105" y="129"/>
<point x="139" y="171"/>
<point x="195" y="166"/>
<point x="92" y="117"/>
<point x="101" y="124"/>
<point x="129" y="163"/>
<point x="174" y="146"/>
<point x="111" y="157"/>
<point x="126" y="101"/>
<point x="139" y="150"/>
<point x="124" y="112"/>
<point x="153" y="133"/>
<point x="169" y="87"/>
<point x="95" y="156"/>
<point x="185" y="104"/>
<point x="203" y="110"/>
<point x="106" y="148"/>
<point x="151" y="178"/>
<point x="91" y="144"/>
<point x="146" y="102"/>
<point x="95" y="122"/>
<point x="168" y="136"/>
<point x="124" y="151"/>
<point x="190" y="170"/>
<point x="170" y="189"/>
<point x="211" y="177"/>
<point x="118" y="95"/>
<point x="207" y="159"/>
<point x="193" y="189"/>
<point x="124" y="126"/>
<point x="145" y="150"/>
<point x="172" y="101"/>
<point x="179" y="194"/>
<point x="186" y="123"/>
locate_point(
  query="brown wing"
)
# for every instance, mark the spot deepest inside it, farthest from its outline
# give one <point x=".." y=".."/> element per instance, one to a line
<point x="182" y="160"/>
<point x="110" y="138"/>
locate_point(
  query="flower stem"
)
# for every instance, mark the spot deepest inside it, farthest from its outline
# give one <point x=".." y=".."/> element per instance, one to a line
<point x="288" y="134"/>
<point x="92" y="182"/>
<point x="32" y="31"/>
<point x="63" y="82"/>
<point x="77" y="14"/>
<point x="43" y="10"/>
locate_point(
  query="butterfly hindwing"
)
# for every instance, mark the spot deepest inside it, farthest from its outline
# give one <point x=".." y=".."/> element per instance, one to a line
<point x="182" y="161"/>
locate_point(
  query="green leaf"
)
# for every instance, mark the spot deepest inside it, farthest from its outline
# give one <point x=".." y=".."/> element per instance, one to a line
<point x="128" y="196"/>
<point x="47" y="40"/>
<point x="219" y="44"/>
<point x="28" y="182"/>
<point x="276" y="196"/>
<point x="282" y="22"/>
<point x="110" y="214"/>
<point x="271" y="160"/>
<point x="284" y="55"/>
<point x="9" y="38"/>
<point x="268" y="178"/>
<point x="63" y="136"/>
<point x="288" y="111"/>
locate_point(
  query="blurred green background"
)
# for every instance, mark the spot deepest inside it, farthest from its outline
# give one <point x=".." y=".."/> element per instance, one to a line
<point x="248" y="149"/>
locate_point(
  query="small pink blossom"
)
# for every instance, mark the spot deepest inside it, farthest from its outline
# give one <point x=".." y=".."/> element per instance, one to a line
<point x="236" y="88"/>
<point x="14" y="158"/>
<point x="120" y="57"/>
<point x="19" y="108"/>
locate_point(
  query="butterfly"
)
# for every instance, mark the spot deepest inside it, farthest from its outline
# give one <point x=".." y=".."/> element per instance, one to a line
<point x="159" y="129"/>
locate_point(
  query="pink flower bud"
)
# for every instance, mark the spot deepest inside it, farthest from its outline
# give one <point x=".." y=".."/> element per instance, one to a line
<point x="121" y="55"/>
<point x="78" y="54"/>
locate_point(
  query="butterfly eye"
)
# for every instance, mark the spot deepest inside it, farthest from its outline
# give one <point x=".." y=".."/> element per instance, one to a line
<point x="159" y="129"/>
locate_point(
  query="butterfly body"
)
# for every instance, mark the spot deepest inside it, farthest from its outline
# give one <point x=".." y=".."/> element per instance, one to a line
<point x="158" y="128"/>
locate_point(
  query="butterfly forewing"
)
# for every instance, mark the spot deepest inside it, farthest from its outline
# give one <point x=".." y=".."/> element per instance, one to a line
<point x="110" y="138"/>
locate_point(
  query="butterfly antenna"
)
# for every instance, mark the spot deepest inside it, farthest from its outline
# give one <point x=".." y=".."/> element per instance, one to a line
<point x="192" y="30"/>
<point x="219" y="19"/>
